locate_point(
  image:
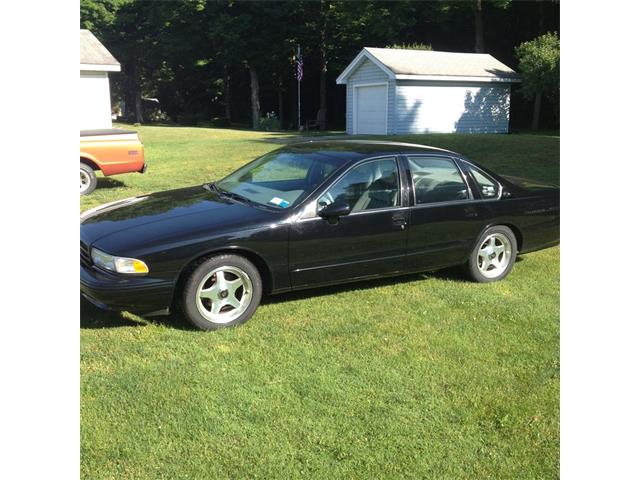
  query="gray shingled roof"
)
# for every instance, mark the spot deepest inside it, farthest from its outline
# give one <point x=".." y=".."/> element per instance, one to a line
<point x="426" y="62"/>
<point x="92" y="52"/>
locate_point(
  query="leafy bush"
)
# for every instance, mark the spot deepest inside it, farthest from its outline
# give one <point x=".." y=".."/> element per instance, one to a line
<point x="540" y="65"/>
<point x="269" y="123"/>
<point x="158" y="116"/>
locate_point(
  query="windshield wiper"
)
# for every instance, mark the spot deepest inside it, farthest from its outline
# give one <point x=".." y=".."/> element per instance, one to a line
<point x="235" y="196"/>
<point x="214" y="187"/>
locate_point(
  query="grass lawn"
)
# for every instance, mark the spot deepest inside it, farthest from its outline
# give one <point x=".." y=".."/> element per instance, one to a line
<point x="426" y="376"/>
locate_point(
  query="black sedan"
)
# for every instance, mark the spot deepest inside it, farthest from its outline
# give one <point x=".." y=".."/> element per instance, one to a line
<point x="307" y="215"/>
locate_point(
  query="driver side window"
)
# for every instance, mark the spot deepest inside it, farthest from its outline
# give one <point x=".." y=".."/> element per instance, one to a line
<point x="369" y="186"/>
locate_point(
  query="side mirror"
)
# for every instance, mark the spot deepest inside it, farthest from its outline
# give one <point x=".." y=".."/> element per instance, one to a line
<point x="335" y="210"/>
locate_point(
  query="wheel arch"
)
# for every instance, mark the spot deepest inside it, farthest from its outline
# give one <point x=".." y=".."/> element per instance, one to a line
<point x="88" y="160"/>
<point x="516" y="232"/>
<point x="263" y="268"/>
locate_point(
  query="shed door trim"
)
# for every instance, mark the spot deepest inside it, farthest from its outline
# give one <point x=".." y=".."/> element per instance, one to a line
<point x="355" y="105"/>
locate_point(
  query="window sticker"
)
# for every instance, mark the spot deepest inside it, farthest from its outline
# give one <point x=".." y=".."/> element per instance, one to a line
<point x="279" y="202"/>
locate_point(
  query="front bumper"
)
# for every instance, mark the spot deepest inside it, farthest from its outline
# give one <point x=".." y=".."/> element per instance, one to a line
<point x="142" y="295"/>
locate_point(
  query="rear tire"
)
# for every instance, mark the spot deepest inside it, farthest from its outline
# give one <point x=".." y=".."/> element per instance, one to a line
<point x="220" y="292"/>
<point x="493" y="256"/>
<point x="88" y="179"/>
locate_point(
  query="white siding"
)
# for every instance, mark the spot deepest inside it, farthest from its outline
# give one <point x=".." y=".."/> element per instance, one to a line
<point x="369" y="73"/>
<point x="446" y="107"/>
<point x="95" y="101"/>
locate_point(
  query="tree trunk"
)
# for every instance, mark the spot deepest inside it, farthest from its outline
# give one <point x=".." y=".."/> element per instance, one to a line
<point x="227" y="94"/>
<point x="535" y="121"/>
<point x="133" y="97"/>
<point x="540" y="17"/>
<point x="129" y="97"/>
<point x="477" y="17"/>
<point x="280" y="102"/>
<point x="323" y="65"/>
<point x="255" y="98"/>
<point x="139" y="118"/>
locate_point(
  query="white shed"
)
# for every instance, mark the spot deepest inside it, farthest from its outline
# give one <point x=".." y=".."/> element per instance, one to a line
<point x="95" y="98"/>
<point x="395" y="91"/>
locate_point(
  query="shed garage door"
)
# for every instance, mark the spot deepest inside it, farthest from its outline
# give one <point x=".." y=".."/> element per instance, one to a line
<point x="371" y="109"/>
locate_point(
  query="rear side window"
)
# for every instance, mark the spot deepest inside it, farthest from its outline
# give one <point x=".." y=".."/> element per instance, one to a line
<point x="436" y="179"/>
<point x="488" y="187"/>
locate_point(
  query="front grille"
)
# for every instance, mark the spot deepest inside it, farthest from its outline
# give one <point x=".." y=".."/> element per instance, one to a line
<point x="85" y="256"/>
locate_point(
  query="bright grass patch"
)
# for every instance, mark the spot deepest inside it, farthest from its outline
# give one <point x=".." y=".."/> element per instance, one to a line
<point x="423" y="376"/>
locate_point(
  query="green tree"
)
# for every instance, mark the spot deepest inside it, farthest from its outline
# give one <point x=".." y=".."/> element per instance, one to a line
<point x="190" y="53"/>
<point x="457" y="8"/>
<point x="99" y="15"/>
<point x="254" y="35"/>
<point x="340" y="29"/>
<point x="539" y="63"/>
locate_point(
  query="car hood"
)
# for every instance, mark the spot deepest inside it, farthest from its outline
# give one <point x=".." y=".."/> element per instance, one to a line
<point x="171" y="213"/>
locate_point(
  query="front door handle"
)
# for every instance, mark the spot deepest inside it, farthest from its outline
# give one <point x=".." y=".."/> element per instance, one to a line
<point x="399" y="219"/>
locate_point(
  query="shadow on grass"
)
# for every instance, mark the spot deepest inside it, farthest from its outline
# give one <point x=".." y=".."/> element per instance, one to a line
<point x="456" y="274"/>
<point x="108" y="182"/>
<point x="452" y="274"/>
<point x="91" y="317"/>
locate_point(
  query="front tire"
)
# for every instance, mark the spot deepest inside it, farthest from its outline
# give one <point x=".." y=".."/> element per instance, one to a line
<point x="223" y="291"/>
<point x="493" y="256"/>
<point x="88" y="179"/>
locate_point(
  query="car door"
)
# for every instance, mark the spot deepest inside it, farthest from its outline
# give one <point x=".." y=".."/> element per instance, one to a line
<point x="446" y="218"/>
<point x="370" y="241"/>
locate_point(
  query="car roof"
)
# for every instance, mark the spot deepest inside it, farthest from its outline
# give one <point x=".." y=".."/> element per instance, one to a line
<point x="354" y="150"/>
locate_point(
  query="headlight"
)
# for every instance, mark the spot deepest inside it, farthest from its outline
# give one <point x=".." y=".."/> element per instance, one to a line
<point x="118" y="264"/>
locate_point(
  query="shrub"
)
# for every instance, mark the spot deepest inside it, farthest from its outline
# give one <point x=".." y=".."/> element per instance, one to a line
<point x="540" y="65"/>
<point x="158" y="116"/>
<point x="269" y="123"/>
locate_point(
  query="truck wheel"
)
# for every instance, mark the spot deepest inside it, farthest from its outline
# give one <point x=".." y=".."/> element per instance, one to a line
<point x="223" y="291"/>
<point x="88" y="179"/>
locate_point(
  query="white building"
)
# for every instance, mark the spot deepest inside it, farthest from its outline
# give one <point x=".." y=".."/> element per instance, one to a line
<point x="95" y="98"/>
<point x="395" y="91"/>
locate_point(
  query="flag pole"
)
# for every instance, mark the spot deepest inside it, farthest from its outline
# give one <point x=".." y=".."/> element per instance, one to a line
<point x="298" y="77"/>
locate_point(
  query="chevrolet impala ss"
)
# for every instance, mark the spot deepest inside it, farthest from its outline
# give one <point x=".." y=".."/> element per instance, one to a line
<point x="307" y="215"/>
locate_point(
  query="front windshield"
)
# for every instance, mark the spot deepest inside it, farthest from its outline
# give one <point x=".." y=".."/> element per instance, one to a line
<point x="281" y="178"/>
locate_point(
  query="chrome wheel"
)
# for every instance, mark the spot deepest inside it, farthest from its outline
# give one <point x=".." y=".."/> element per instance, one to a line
<point x="494" y="255"/>
<point x="85" y="181"/>
<point x="224" y="294"/>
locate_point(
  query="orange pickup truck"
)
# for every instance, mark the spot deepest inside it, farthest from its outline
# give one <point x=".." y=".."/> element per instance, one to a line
<point x="111" y="151"/>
